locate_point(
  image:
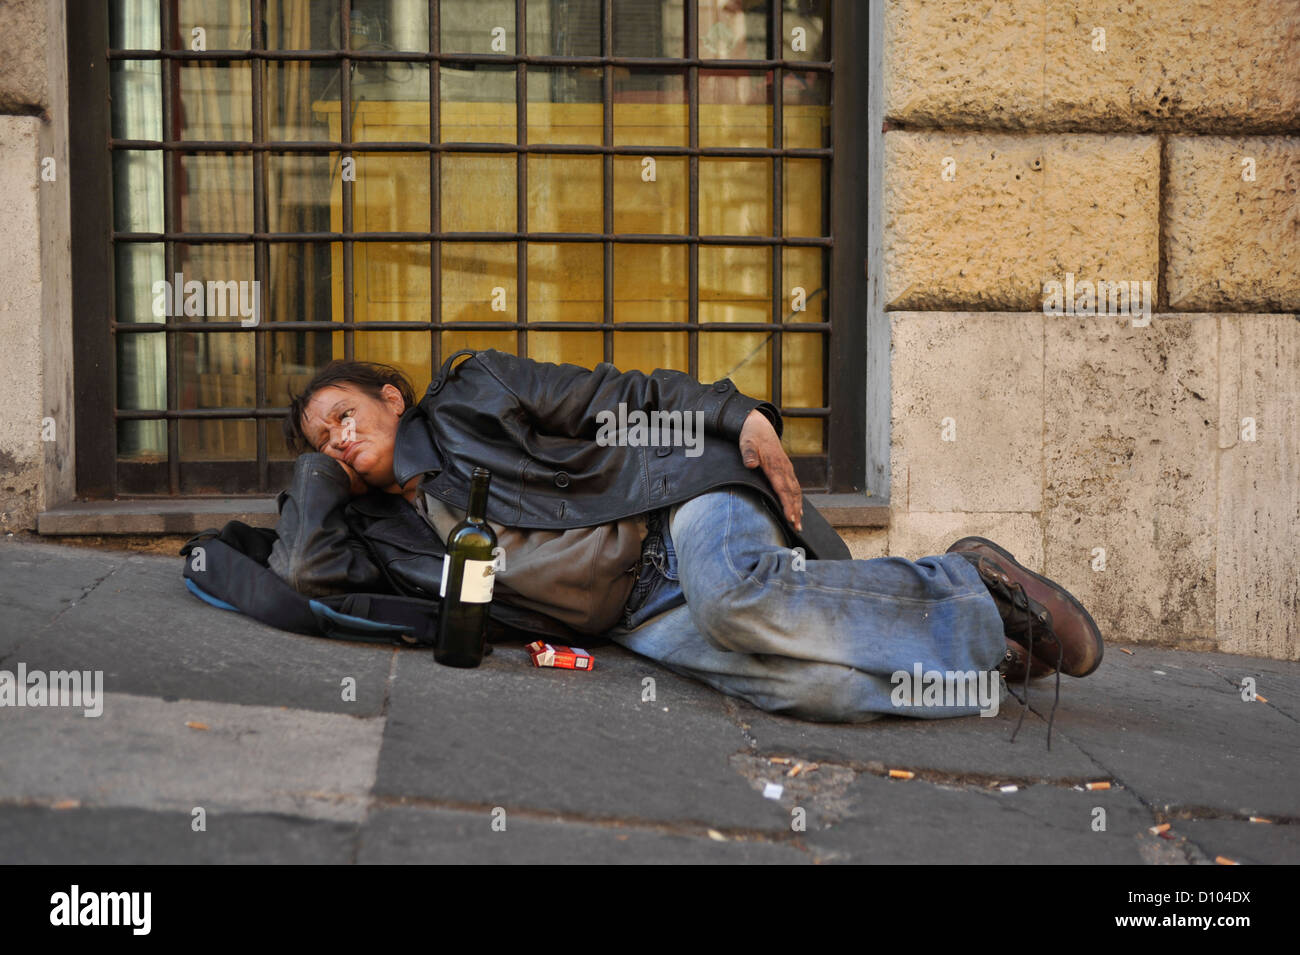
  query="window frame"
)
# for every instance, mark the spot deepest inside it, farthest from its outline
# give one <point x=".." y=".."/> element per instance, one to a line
<point x="841" y="469"/>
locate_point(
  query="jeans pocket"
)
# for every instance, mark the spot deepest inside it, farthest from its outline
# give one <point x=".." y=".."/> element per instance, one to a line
<point x="654" y="567"/>
<point x="656" y="590"/>
<point x="669" y="568"/>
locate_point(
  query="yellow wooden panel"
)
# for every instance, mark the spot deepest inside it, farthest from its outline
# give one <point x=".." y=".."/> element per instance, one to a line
<point x="478" y="193"/>
<point x="735" y="197"/>
<point x="391" y="282"/>
<point x="565" y="194"/>
<point x="576" y="348"/>
<point x="802" y="212"/>
<point x="744" y="357"/>
<point x="731" y="124"/>
<point x="477" y="122"/>
<point x="453" y="341"/>
<point x="566" y="282"/>
<point x="375" y="123"/>
<point x="657" y="208"/>
<point x="646" y="351"/>
<point x="804" y="435"/>
<point x="651" y="124"/>
<point x="573" y="123"/>
<point x="406" y="351"/>
<point x="803" y="268"/>
<point x="650" y="283"/>
<point x="391" y="193"/>
<point x="802" y="386"/>
<point x="802" y="382"/>
<point x="479" y="281"/>
<point x="805" y="127"/>
<point x="735" y="283"/>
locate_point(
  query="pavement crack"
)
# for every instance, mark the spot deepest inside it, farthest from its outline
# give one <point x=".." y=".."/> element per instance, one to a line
<point x="388" y="683"/>
<point x="694" y="828"/>
<point x="733" y="713"/>
<point x="85" y="592"/>
<point x="371" y="799"/>
<point x="1153" y="854"/>
<point x="1209" y="668"/>
<point x="1209" y="813"/>
<point x="963" y="780"/>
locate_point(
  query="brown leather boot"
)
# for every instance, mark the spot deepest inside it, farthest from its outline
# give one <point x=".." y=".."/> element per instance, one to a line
<point x="1038" y="614"/>
<point x="1017" y="659"/>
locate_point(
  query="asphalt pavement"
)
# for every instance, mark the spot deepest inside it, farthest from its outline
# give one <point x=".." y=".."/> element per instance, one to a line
<point x="222" y="740"/>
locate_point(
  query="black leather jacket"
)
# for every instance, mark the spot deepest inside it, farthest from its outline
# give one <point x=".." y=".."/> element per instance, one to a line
<point x="533" y="425"/>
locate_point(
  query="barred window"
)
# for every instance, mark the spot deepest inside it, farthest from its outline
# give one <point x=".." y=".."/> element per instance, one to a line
<point x="646" y="182"/>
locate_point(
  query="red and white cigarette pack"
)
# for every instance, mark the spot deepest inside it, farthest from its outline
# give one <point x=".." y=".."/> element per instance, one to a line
<point x="568" y="658"/>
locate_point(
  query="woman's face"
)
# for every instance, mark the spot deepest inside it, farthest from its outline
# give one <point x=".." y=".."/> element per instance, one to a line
<point x="351" y="426"/>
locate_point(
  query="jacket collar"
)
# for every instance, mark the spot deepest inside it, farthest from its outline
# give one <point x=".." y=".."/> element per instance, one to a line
<point x="414" y="450"/>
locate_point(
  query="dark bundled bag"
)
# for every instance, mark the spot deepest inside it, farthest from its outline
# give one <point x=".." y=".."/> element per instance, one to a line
<point x="230" y="569"/>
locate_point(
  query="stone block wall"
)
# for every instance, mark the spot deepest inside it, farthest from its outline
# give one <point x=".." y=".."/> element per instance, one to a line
<point x="1146" y="457"/>
<point x="36" y="436"/>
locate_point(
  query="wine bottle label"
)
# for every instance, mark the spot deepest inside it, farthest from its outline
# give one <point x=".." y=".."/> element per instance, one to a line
<point x="476" y="585"/>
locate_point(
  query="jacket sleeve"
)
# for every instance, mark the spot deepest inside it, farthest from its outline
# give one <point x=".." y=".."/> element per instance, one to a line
<point x="565" y="399"/>
<point x="314" y="552"/>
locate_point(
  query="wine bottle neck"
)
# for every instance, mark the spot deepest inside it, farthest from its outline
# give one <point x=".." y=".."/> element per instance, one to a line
<point x="478" y="495"/>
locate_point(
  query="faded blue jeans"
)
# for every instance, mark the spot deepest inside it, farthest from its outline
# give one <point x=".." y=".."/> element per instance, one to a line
<point x="724" y="604"/>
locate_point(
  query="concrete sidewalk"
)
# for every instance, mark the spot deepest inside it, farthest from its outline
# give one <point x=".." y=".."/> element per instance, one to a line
<point x="209" y="710"/>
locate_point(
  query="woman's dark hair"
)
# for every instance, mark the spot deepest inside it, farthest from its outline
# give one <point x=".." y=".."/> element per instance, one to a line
<point x="366" y="376"/>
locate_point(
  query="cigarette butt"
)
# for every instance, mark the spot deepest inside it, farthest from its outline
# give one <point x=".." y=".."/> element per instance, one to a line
<point x="901" y="774"/>
<point x="779" y="759"/>
<point x="1008" y="789"/>
<point x="795" y="770"/>
<point x="1259" y="699"/>
<point x="1163" y="827"/>
<point x="810" y="768"/>
<point x="196" y="725"/>
<point x="717" y="836"/>
<point x="67" y="804"/>
<point x="1129" y="652"/>
<point x="1260" y="819"/>
<point x="1095" y="786"/>
<point x="1224" y="860"/>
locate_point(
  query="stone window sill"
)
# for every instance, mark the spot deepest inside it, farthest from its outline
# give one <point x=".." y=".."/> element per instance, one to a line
<point x="194" y="514"/>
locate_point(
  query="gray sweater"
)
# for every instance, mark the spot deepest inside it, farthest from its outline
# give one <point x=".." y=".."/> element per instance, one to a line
<point x="582" y="576"/>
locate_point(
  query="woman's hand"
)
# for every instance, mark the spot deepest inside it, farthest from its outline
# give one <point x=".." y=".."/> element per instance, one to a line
<point x="760" y="446"/>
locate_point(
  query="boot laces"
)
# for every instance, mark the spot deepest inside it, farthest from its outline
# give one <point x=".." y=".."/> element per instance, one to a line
<point x="1033" y="622"/>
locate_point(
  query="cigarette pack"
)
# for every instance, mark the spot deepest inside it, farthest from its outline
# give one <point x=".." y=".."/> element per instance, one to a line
<point x="569" y="658"/>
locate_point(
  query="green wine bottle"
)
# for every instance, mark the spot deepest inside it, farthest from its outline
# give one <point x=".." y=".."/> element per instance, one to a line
<point x="468" y="573"/>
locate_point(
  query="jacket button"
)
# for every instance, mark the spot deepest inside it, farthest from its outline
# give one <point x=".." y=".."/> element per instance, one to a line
<point x="561" y="479"/>
<point x="720" y="386"/>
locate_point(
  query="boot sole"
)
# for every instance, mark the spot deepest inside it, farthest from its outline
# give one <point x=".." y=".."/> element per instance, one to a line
<point x="1002" y="552"/>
